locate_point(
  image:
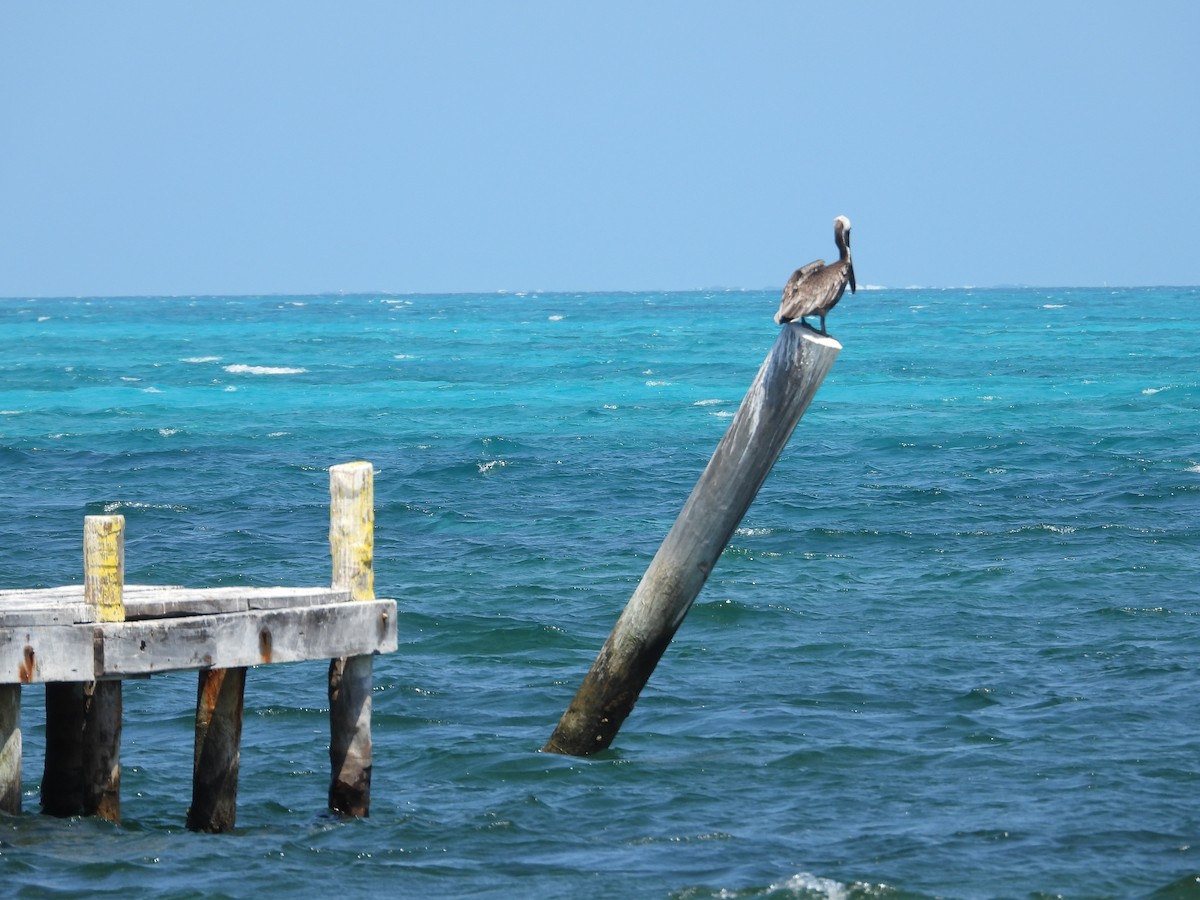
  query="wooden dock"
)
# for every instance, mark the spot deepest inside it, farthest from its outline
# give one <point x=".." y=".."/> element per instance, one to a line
<point x="80" y="641"/>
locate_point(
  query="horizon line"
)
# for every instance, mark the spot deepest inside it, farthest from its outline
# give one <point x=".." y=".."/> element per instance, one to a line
<point x="524" y="292"/>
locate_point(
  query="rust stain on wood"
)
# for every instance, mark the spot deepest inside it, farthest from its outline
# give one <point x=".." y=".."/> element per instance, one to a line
<point x="264" y="644"/>
<point x="25" y="670"/>
<point x="211" y="690"/>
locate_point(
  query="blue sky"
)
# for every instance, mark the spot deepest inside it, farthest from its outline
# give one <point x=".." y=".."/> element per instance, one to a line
<point x="297" y="147"/>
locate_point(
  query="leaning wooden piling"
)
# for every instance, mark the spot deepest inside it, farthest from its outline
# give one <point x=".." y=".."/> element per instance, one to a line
<point x="83" y="719"/>
<point x="785" y="385"/>
<point x="352" y="547"/>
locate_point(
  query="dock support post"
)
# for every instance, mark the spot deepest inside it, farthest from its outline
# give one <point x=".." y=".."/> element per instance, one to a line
<point x="785" y="385"/>
<point x="352" y="545"/>
<point x="82" y="773"/>
<point x="219" y="698"/>
<point x="10" y="748"/>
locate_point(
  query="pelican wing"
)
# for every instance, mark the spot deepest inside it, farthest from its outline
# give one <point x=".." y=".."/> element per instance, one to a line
<point x="792" y="304"/>
<point x="801" y="275"/>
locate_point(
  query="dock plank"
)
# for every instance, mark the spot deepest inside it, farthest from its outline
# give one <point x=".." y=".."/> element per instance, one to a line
<point x="40" y="653"/>
<point x="50" y="634"/>
<point x="251" y="638"/>
<point x="66" y="605"/>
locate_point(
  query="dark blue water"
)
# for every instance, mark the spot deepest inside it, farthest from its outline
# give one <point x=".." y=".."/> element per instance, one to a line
<point x="951" y="652"/>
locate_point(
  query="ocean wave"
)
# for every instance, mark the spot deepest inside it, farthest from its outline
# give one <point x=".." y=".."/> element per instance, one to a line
<point x="805" y="884"/>
<point x="241" y="369"/>
<point x="117" y="505"/>
<point x="201" y="359"/>
<point x="708" y="402"/>
<point x="1151" y="391"/>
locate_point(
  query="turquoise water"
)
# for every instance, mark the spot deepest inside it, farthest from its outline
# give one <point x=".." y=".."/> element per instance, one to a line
<point x="951" y="652"/>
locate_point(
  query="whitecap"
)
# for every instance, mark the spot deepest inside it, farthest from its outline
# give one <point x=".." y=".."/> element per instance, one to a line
<point x="201" y="359"/>
<point x="1149" y="392"/>
<point x="118" y="505"/>
<point x="167" y="432"/>
<point x="129" y="378"/>
<point x="1054" y="306"/>
<point x="723" y="414"/>
<point x="657" y="383"/>
<point x="611" y="406"/>
<point x="1195" y="469"/>
<point x="13" y="412"/>
<point x="275" y="434"/>
<point x="43" y="318"/>
<point x="240" y="369"/>
<point x="151" y="390"/>
<point x="403" y="356"/>
<point x="490" y="465"/>
<point x="753" y="532"/>
<point x="804" y="884"/>
<point x="708" y="402"/>
<point x="555" y="318"/>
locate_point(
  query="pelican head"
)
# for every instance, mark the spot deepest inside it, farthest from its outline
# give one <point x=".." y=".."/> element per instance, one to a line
<point x="841" y="230"/>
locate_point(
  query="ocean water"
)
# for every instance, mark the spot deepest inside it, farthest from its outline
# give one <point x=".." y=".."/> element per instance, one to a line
<point x="952" y="651"/>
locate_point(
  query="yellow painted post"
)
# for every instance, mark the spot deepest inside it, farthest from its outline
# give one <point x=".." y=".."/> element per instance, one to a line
<point x="104" y="566"/>
<point x="82" y="774"/>
<point x="352" y="546"/>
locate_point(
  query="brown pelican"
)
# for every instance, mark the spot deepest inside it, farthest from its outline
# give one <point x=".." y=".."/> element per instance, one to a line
<point x="815" y="289"/>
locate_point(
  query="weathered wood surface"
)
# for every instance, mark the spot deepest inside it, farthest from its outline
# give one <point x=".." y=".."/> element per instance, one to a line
<point x="785" y="385"/>
<point x="219" y="698"/>
<point x="104" y="566"/>
<point x="250" y="638"/>
<point x="66" y="605"/>
<point x="83" y="720"/>
<point x="10" y="748"/>
<point x="82" y="773"/>
<point x="350" y="748"/>
<point x="43" y="653"/>
<point x="261" y="625"/>
<point x="352" y="552"/>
